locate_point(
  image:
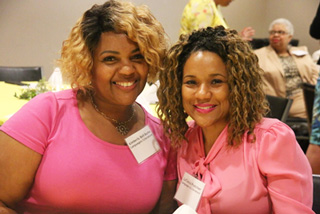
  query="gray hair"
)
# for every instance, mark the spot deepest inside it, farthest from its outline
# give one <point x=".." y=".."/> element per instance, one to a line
<point x="284" y="22"/>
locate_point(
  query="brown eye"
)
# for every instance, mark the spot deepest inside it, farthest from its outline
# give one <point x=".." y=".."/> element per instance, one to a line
<point x="109" y="59"/>
<point x="190" y="82"/>
<point x="216" y="81"/>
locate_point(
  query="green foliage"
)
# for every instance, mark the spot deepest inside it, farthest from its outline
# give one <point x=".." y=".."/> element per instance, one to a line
<point x="29" y="93"/>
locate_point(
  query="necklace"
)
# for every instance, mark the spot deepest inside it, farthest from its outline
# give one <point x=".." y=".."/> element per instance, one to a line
<point x="121" y="127"/>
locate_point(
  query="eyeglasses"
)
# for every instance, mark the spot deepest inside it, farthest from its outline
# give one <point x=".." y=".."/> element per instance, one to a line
<point x="280" y="32"/>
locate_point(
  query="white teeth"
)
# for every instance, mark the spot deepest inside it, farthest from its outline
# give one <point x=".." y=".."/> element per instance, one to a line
<point x="125" y="84"/>
<point x="207" y="107"/>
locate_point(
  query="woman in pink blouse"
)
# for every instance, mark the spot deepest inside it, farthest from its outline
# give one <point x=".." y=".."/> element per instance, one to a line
<point x="249" y="164"/>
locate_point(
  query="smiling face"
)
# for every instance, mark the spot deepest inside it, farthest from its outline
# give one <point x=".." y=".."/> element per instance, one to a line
<point x="205" y="91"/>
<point x="119" y="70"/>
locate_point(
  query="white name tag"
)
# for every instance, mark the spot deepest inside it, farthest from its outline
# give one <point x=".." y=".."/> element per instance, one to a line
<point x="299" y="52"/>
<point x="142" y="144"/>
<point x="190" y="191"/>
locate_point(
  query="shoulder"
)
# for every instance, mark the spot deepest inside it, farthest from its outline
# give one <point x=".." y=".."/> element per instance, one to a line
<point x="263" y="50"/>
<point x="196" y="4"/>
<point x="271" y="124"/>
<point x="54" y="96"/>
<point x="302" y="48"/>
<point x="274" y="132"/>
<point x="50" y="104"/>
<point x="65" y="94"/>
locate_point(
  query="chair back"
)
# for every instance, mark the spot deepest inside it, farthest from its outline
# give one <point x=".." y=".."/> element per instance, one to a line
<point x="308" y="95"/>
<point x="18" y="74"/>
<point x="257" y="43"/>
<point x="279" y="107"/>
<point x="316" y="193"/>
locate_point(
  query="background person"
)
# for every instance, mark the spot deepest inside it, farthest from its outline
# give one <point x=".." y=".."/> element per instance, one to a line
<point x="313" y="151"/>
<point x="203" y="13"/>
<point x="286" y="67"/>
<point x="314" y="29"/>
<point x="249" y="164"/>
<point x="65" y="152"/>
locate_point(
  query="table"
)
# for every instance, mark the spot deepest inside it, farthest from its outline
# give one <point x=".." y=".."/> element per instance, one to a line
<point x="9" y="104"/>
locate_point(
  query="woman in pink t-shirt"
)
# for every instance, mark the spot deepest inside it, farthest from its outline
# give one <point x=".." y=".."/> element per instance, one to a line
<point x="248" y="163"/>
<point x="66" y="152"/>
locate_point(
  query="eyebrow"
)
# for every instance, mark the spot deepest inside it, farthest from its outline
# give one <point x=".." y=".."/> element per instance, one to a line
<point x="116" y="52"/>
<point x="211" y="75"/>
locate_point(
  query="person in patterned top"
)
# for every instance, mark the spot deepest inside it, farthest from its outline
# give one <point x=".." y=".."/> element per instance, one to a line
<point x="313" y="151"/>
<point x="203" y="13"/>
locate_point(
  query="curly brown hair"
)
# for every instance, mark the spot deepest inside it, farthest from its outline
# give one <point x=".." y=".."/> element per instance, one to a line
<point x="136" y="22"/>
<point x="247" y="99"/>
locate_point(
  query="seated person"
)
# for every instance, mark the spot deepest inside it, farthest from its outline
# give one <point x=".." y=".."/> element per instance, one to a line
<point x="314" y="146"/>
<point x="316" y="57"/>
<point x="286" y="67"/>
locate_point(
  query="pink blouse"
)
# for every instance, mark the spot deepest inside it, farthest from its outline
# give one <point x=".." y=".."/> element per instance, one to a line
<point x="271" y="175"/>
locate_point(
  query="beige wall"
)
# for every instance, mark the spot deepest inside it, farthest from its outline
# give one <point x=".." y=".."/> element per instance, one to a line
<point x="32" y="30"/>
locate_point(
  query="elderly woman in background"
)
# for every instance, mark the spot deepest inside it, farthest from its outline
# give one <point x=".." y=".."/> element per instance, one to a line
<point x="286" y="67"/>
<point x="66" y="152"/>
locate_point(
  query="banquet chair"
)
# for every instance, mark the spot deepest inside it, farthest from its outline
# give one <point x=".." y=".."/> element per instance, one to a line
<point x="302" y="126"/>
<point x="308" y="94"/>
<point x="279" y="107"/>
<point x="257" y="43"/>
<point x="316" y="193"/>
<point x="18" y="74"/>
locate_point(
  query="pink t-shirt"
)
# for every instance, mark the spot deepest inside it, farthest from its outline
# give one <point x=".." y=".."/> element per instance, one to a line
<point x="80" y="172"/>
<point x="271" y="175"/>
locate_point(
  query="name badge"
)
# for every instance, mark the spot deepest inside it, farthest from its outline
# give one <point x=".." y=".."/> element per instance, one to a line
<point x="190" y="191"/>
<point x="143" y="144"/>
<point x="299" y="52"/>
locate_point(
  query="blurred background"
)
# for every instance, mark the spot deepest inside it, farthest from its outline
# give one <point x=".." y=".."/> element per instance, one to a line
<point x="32" y="31"/>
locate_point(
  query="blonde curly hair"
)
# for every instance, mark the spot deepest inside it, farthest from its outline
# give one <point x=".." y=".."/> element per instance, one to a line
<point x="247" y="99"/>
<point x="136" y="22"/>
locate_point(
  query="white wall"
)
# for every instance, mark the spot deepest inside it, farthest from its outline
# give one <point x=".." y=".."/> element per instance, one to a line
<point x="32" y="31"/>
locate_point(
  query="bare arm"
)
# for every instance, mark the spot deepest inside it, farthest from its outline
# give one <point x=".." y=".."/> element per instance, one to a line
<point x="313" y="155"/>
<point x="166" y="203"/>
<point x="18" y="165"/>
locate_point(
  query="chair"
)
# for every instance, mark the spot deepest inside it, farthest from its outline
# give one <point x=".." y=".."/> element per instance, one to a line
<point x="308" y="94"/>
<point x="18" y="74"/>
<point x="302" y="126"/>
<point x="279" y="107"/>
<point x="316" y="193"/>
<point x="257" y="43"/>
